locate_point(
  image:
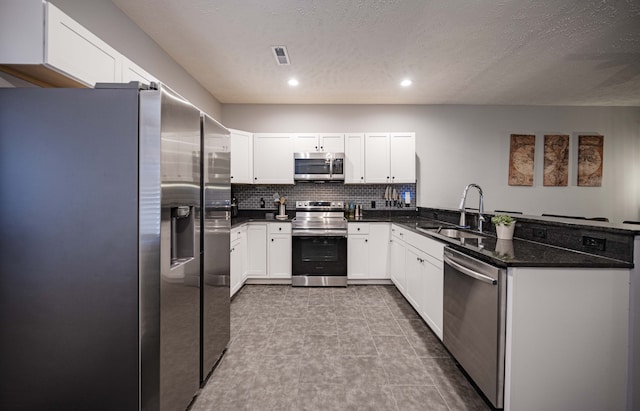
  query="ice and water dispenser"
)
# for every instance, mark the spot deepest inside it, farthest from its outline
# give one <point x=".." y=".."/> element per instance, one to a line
<point x="182" y="234"/>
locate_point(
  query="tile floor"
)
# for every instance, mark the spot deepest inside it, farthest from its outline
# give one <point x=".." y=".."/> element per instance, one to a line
<point x="354" y="348"/>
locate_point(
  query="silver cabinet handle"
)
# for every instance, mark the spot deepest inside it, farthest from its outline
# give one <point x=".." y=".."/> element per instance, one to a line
<point x="470" y="273"/>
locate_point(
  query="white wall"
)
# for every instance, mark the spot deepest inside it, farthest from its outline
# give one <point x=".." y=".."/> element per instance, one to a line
<point x="108" y="22"/>
<point x="458" y="145"/>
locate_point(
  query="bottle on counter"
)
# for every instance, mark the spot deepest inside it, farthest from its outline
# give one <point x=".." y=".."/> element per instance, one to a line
<point x="262" y="203"/>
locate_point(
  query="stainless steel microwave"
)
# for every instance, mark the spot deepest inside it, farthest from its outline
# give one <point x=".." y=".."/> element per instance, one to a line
<point x="317" y="166"/>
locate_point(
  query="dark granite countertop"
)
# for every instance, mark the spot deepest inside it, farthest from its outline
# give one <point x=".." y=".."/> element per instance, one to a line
<point x="516" y="252"/>
<point x="503" y="253"/>
<point x="238" y="221"/>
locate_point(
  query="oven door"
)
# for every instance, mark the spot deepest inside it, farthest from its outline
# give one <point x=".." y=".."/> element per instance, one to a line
<point x="319" y="255"/>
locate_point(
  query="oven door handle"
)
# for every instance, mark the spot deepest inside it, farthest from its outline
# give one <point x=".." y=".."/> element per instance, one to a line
<point x="470" y="273"/>
<point x="324" y="233"/>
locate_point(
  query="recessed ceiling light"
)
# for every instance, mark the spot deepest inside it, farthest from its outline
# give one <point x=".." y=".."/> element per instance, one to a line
<point x="293" y="82"/>
<point x="406" y="83"/>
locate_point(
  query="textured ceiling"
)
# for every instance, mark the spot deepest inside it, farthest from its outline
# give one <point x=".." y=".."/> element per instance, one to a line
<point x="544" y="52"/>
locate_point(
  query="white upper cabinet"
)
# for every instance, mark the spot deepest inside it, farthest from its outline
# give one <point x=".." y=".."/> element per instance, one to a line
<point x="354" y="158"/>
<point x="390" y="158"/>
<point x="273" y="158"/>
<point x="305" y="142"/>
<point x="323" y="142"/>
<point x="241" y="157"/>
<point x="77" y="52"/>
<point x="41" y="44"/>
<point x="376" y="164"/>
<point x="332" y="143"/>
<point x="132" y="72"/>
<point x="403" y="157"/>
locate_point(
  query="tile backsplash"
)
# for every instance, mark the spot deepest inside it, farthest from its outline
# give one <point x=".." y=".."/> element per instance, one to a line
<point x="249" y="195"/>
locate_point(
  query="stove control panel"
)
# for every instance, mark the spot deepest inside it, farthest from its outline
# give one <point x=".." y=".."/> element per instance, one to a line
<point x="320" y="205"/>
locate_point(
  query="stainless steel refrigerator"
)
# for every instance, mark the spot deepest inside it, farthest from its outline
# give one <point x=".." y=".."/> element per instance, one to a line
<point x="106" y="263"/>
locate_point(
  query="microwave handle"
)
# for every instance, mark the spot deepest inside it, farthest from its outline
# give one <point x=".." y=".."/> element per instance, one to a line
<point x="331" y="167"/>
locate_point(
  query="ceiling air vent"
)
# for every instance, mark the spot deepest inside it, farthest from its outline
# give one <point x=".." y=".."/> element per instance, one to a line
<point x="282" y="57"/>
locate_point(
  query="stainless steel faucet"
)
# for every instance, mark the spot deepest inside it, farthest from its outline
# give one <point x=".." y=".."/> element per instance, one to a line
<point x="480" y="207"/>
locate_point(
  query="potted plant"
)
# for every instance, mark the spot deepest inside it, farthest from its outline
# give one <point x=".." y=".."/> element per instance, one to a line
<point x="504" y="226"/>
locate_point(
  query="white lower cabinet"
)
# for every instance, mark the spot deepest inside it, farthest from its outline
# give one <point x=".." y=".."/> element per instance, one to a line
<point x="397" y="269"/>
<point x="431" y="303"/>
<point x="260" y="250"/>
<point x="357" y="256"/>
<point x="238" y="265"/>
<point x="414" y="277"/>
<point x="416" y="270"/>
<point x="279" y="246"/>
<point x="368" y="251"/>
<point x="257" y="250"/>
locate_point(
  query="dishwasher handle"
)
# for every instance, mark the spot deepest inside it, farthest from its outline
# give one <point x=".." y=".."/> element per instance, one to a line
<point x="470" y="273"/>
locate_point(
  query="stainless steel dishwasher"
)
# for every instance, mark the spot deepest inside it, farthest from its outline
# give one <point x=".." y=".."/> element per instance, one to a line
<point x="474" y="320"/>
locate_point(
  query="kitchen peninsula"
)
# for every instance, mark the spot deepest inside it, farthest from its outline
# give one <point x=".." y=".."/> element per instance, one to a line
<point x="567" y="324"/>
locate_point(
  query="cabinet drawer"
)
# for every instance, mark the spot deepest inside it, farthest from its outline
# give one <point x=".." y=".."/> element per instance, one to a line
<point x="399" y="232"/>
<point x="236" y="233"/>
<point x="358" y="228"/>
<point x="425" y="244"/>
<point x="279" y="228"/>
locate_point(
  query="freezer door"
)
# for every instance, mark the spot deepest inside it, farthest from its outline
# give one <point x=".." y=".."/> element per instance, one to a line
<point x="179" y="334"/>
<point x="216" y="228"/>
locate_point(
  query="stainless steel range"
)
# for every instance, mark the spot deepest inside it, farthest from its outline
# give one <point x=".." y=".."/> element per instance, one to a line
<point x="319" y="246"/>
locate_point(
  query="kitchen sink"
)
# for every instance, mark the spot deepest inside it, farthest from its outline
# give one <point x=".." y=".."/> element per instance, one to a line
<point x="451" y="232"/>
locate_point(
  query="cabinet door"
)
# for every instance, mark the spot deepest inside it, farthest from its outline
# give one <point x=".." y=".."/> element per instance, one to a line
<point x="432" y="300"/>
<point x="241" y="157"/>
<point x="414" y="284"/>
<point x="332" y="143"/>
<point x="376" y="165"/>
<point x="354" y="158"/>
<point x="403" y="157"/>
<point x="133" y="72"/>
<point x="236" y="266"/>
<point x="398" y="262"/>
<point x="273" y="159"/>
<point x="379" y="236"/>
<point x="357" y="256"/>
<point x="280" y="256"/>
<point x="257" y="250"/>
<point x="305" y="143"/>
<point x="75" y="51"/>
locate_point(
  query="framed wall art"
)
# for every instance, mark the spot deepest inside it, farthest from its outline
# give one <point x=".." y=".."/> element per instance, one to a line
<point x="521" y="159"/>
<point x="556" y="160"/>
<point x="590" y="155"/>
